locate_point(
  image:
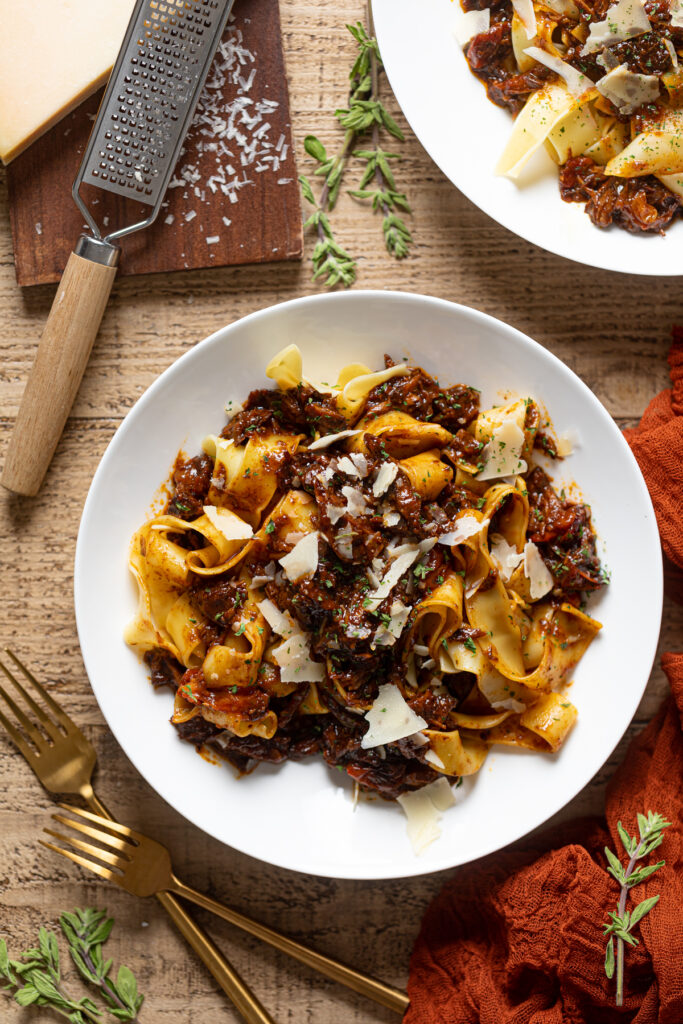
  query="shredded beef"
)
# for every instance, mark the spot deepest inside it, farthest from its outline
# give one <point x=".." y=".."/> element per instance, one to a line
<point x="636" y="204"/>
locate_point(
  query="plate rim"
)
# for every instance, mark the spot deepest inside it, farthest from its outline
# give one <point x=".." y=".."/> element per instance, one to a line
<point x="446" y="861"/>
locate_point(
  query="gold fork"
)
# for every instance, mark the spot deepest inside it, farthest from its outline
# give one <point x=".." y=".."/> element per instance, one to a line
<point x="142" y="866"/>
<point x="165" y="880"/>
<point x="64" y="761"/>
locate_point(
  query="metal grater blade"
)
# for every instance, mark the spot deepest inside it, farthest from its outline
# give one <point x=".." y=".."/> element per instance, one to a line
<point x="149" y="102"/>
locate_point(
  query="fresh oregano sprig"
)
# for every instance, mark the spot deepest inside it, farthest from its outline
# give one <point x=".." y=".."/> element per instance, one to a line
<point x="365" y="113"/>
<point x="330" y="260"/>
<point x="622" y="922"/>
<point x="372" y="114"/>
<point x="35" y="978"/>
<point x="86" y="931"/>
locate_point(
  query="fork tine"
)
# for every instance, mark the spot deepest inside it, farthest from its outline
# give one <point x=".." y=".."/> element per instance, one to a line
<point x="57" y="711"/>
<point x="95" y="833"/>
<point x="27" y="725"/>
<point x="18" y="740"/>
<point x="99" y="869"/>
<point x="104" y="823"/>
<point x="94" y="851"/>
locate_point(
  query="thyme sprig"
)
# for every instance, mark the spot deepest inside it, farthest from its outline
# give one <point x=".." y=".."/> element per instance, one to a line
<point x="35" y="979"/>
<point x="622" y="922"/>
<point x="365" y="114"/>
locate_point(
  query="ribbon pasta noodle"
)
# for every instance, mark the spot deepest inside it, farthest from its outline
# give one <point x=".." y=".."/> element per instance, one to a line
<point x="376" y="571"/>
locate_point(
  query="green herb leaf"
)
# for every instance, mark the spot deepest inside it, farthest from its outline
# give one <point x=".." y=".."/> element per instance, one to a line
<point x="642" y="908"/>
<point x="609" y="959"/>
<point x="315" y="148"/>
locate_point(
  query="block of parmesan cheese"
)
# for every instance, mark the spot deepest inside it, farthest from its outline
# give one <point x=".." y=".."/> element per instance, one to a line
<point x="53" y="54"/>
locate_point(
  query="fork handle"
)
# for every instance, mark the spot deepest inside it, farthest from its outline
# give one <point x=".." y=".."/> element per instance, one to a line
<point x="227" y="977"/>
<point x="380" y="992"/>
<point x="241" y="996"/>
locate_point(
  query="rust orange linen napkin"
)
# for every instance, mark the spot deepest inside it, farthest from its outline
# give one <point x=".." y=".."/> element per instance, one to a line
<point x="517" y="937"/>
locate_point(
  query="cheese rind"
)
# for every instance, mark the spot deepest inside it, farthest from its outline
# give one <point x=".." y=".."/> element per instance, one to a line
<point x="53" y="54"/>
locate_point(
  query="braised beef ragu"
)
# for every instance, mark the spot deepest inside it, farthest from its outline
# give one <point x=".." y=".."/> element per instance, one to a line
<point x="332" y="604"/>
<point x="191" y="480"/>
<point x="636" y="204"/>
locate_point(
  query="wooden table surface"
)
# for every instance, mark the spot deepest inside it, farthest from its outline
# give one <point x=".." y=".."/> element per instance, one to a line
<point x="612" y="330"/>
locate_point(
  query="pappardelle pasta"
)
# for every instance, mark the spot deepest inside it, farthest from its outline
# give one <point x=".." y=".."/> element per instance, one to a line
<point x="598" y="84"/>
<point x="374" y="571"/>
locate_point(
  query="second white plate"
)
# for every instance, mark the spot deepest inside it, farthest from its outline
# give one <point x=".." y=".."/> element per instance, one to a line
<point x="464" y="133"/>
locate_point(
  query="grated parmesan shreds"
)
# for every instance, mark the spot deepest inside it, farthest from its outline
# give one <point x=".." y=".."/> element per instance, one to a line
<point x="237" y="135"/>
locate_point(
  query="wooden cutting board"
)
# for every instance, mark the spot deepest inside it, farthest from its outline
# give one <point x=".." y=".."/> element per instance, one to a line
<point x="234" y="197"/>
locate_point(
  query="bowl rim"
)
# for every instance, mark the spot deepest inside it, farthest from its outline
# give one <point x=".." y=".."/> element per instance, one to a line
<point x="392" y="296"/>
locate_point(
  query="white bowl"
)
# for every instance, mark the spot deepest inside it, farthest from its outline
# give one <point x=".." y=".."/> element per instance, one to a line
<point x="300" y="815"/>
<point x="465" y="134"/>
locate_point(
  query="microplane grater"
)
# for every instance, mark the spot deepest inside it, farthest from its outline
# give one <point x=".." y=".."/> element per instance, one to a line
<point x="149" y="102"/>
<point x="135" y="142"/>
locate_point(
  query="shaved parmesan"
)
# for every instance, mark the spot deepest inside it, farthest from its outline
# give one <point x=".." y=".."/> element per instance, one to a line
<point x="293" y="658"/>
<point x="386" y="475"/>
<point x="344" y="543"/>
<point x="400" y="565"/>
<point x="390" y="718"/>
<point x="505" y="557"/>
<point x="577" y="83"/>
<point x="259" y="581"/>
<point x="302" y="560"/>
<point x="383" y="638"/>
<point x="466" y="526"/>
<point x="280" y="622"/>
<point x="423" y="808"/>
<point x="328" y="439"/>
<point x="536" y="571"/>
<point x="388" y="633"/>
<point x="624" y="20"/>
<point x="294" y="537"/>
<point x="356" y="505"/>
<point x="360" y="462"/>
<point x="502" y="455"/>
<point x="433" y="758"/>
<point x="227" y="523"/>
<point x="335" y="512"/>
<point x="524" y="10"/>
<point x="374" y="580"/>
<point x="676" y="10"/>
<point x="346" y="466"/>
<point x="627" y="90"/>
<point x="671" y="51"/>
<point x="391" y="519"/>
<point x="471" y="24"/>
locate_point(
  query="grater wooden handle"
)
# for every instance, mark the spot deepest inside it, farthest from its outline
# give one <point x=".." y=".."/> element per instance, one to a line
<point x="60" y="362"/>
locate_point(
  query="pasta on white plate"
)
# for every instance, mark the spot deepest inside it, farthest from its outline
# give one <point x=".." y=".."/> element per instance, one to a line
<point x="377" y="572"/>
<point x="599" y="86"/>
